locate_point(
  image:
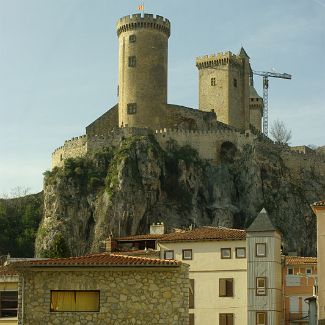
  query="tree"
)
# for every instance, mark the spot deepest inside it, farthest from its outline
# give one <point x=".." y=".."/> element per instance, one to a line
<point x="280" y="133"/>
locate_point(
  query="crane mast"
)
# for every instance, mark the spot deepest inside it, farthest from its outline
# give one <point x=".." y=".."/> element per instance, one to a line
<point x="266" y="75"/>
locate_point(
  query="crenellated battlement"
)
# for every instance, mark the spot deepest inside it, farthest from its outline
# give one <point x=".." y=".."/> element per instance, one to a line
<point x="219" y="59"/>
<point x="137" y="21"/>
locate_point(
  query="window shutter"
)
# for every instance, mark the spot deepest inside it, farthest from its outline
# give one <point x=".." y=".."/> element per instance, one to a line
<point x="230" y="319"/>
<point x="222" y="319"/>
<point x="222" y="288"/>
<point x="229" y="288"/>
<point x="191" y="319"/>
<point x="191" y="294"/>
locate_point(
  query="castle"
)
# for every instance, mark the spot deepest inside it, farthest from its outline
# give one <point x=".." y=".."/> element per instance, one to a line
<point x="230" y="110"/>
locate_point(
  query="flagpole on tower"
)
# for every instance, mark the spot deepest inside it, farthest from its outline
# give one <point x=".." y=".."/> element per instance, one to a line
<point x="141" y="7"/>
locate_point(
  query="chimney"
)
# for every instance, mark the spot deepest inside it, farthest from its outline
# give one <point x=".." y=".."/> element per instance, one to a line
<point x="157" y="229"/>
<point x="110" y="245"/>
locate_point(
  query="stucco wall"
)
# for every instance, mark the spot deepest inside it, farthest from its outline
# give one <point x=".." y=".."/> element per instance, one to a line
<point x="206" y="268"/>
<point x="142" y="295"/>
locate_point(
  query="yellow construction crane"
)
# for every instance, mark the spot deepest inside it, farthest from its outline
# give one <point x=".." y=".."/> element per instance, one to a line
<point x="266" y="75"/>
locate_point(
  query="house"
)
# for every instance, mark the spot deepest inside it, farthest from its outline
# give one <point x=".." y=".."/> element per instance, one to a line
<point x="264" y="277"/>
<point x="218" y="272"/>
<point x="8" y="296"/>
<point x="299" y="280"/>
<point x="319" y="210"/>
<point x="103" y="289"/>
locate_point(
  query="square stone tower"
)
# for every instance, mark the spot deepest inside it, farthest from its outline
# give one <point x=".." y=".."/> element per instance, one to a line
<point x="224" y="87"/>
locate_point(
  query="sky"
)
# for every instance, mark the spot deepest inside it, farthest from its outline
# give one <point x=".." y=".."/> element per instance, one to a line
<point x="58" y="67"/>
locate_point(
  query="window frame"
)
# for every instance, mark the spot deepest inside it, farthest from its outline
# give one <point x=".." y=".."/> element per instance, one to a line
<point x="132" y="61"/>
<point x="222" y="250"/>
<point x="311" y="271"/>
<point x="131" y="108"/>
<point x="291" y="269"/>
<point x="169" y="251"/>
<point x="213" y="81"/>
<point x="132" y="38"/>
<point x="265" y="317"/>
<point x="235" y="83"/>
<point x="257" y="287"/>
<point x="226" y="315"/>
<point x="227" y="294"/>
<point x="236" y="252"/>
<point x="183" y="254"/>
<point x="10" y="300"/>
<point x="256" y="249"/>
<point x="75" y="293"/>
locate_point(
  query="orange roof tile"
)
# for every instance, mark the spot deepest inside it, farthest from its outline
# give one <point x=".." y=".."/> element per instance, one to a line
<point x="206" y="233"/>
<point x="7" y="271"/>
<point x="139" y="237"/>
<point x="299" y="260"/>
<point x="103" y="259"/>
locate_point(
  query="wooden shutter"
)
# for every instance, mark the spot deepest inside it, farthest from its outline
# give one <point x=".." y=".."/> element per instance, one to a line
<point x="222" y="288"/>
<point x="191" y="294"/>
<point x="229" y="287"/>
<point x="222" y="319"/>
<point x="191" y="319"/>
<point x="230" y="319"/>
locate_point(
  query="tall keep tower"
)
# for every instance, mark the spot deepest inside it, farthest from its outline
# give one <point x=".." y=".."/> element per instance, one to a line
<point x="224" y="87"/>
<point x="142" y="81"/>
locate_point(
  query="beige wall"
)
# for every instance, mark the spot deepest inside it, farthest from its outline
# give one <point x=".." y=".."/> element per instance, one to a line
<point x="320" y="213"/>
<point x="206" y="268"/>
<point x="8" y="283"/>
<point x="128" y="295"/>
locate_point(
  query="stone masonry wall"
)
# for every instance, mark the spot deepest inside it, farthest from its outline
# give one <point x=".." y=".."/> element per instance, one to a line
<point x="128" y="295"/>
<point x="76" y="147"/>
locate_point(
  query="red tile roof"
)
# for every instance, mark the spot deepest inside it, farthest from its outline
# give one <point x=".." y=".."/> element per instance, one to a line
<point x="299" y="260"/>
<point x="7" y="271"/>
<point x="206" y="233"/>
<point x="103" y="259"/>
<point x="139" y="237"/>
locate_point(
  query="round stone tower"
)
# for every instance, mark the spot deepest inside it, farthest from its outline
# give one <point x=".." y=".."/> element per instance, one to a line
<point x="142" y="80"/>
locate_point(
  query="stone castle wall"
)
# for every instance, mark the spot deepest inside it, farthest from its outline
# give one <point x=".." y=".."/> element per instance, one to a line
<point x="128" y="295"/>
<point x="76" y="147"/>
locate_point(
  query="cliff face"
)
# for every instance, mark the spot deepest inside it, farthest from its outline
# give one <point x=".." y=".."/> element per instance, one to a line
<point x="123" y="190"/>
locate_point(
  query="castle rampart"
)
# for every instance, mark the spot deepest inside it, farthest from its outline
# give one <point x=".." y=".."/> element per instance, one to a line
<point x="137" y="21"/>
<point x="73" y="148"/>
<point x="215" y="60"/>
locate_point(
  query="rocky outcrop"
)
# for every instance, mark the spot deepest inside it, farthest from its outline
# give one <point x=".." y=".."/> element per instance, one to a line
<point x="121" y="191"/>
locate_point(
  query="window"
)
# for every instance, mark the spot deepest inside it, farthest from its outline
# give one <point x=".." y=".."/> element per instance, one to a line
<point x="308" y="271"/>
<point x="169" y="255"/>
<point x="261" y="318"/>
<point x="191" y="319"/>
<point x="226" y="287"/>
<point x="290" y="270"/>
<point x="225" y="252"/>
<point x="240" y="252"/>
<point x="8" y="304"/>
<point x="132" y="61"/>
<point x="191" y="294"/>
<point x="73" y="300"/>
<point x="132" y="38"/>
<point x="132" y="108"/>
<point x="261" y="286"/>
<point x="213" y="81"/>
<point x="261" y="249"/>
<point x="235" y="83"/>
<point x="226" y="319"/>
<point x="187" y="254"/>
